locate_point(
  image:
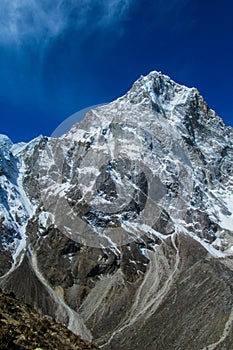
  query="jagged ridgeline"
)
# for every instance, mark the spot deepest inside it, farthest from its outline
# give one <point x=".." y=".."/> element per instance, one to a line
<point x="122" y="228"/>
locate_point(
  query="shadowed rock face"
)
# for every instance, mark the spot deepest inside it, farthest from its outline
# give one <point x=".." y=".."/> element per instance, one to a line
<point x="126" y="222"/>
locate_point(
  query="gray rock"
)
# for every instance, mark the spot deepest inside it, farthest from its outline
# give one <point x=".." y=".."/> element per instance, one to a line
<point x="125" y="231"/>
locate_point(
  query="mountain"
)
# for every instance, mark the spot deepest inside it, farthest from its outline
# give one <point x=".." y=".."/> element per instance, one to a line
<point x="122" y="228"/>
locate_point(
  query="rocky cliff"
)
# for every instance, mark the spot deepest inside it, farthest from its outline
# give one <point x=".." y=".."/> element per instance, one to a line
<point x="122" y="228"/>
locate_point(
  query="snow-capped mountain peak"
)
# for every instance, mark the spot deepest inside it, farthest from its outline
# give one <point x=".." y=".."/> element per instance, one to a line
<point x="125" y="208"/>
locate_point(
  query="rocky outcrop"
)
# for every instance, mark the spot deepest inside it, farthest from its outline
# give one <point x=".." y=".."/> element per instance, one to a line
<point x="126" y="226"/>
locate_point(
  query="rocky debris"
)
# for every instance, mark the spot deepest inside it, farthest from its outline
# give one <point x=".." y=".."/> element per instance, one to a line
<point x="194" y="313"/>
<point x="22" y="328"/>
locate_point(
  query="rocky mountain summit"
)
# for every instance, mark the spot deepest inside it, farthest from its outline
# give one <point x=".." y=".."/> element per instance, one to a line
<point x="122" y="228"/>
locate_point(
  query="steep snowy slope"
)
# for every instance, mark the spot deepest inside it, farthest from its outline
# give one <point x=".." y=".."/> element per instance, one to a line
<point x="15" y="207"/>
<point x="126" y="234"/>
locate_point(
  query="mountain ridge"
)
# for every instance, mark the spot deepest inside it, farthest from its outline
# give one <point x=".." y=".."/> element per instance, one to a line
<point x="111" y="219"/>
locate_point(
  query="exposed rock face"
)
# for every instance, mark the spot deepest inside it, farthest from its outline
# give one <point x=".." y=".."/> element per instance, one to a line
<point x="125" y="232"/>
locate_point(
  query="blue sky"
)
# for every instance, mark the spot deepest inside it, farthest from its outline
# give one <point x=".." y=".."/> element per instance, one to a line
<point x="59" y="56"/>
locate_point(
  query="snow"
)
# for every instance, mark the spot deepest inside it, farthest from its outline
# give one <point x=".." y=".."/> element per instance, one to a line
<point x="17" y="148"/>
<point x="221" y="207"/>
<point x="168" y="102"/>
<point x="226" y="221"/>
<point x="5" y="145"/>
<point x="15" y="206"/>
<point x="138" y="126"/>
<point x="45" y="219"/>
<point x="29" y="210"/>
<point x="180" y="228"/>
<point x="89" y="169"/>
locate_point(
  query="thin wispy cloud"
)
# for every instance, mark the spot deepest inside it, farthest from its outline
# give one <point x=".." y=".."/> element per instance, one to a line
<point x="31" y="21"/>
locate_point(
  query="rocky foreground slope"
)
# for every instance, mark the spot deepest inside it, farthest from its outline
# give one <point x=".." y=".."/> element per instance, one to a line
<point x="22" y="328"/>
<point x="122" y="228"/>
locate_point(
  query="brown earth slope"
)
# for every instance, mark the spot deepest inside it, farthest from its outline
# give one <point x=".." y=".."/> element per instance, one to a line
<point x="22" y="328"/>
